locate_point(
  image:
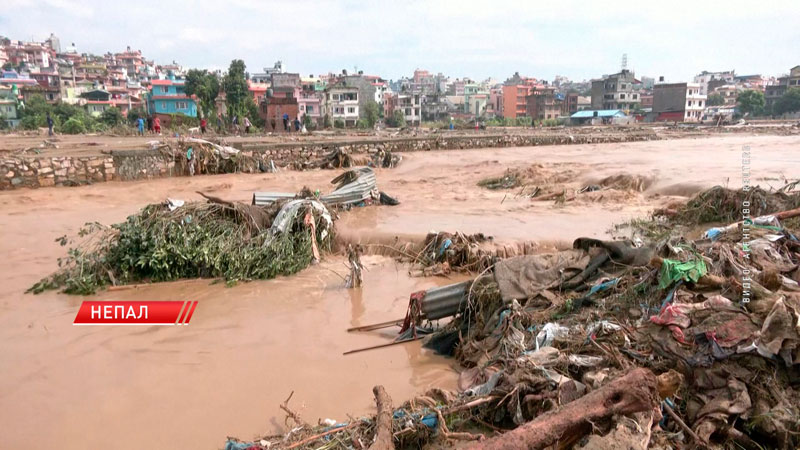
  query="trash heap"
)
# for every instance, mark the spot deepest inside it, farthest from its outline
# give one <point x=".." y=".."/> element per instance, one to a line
<point x="677" y="343"/>
<point x="338" y="158"/>
<point x="193" y="156"/>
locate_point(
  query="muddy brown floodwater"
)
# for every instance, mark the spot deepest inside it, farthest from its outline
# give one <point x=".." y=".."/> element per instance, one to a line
<point x="249" y="346"/>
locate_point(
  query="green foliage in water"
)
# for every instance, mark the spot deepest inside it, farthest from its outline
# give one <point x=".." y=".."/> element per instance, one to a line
<point x="196" y="240"/>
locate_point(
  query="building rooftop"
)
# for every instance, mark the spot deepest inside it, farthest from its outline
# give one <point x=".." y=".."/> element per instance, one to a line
<point x="586" y="114"/>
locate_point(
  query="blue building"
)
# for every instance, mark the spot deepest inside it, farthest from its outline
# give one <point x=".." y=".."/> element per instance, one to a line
<point x="167" y="97"/>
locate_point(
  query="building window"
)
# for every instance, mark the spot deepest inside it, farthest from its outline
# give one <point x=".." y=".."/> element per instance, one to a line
<point x="700" y="103"/>
<point x="164" y="105"/>
<point x="351" y="110"/>
<point x="689" y="103"/>
<point x="164" y="89"/>
<point x="635" y="96"/>
<point x="181" y="105"/>
<point x="621" y="96"/>
<point x="310" y="109"/>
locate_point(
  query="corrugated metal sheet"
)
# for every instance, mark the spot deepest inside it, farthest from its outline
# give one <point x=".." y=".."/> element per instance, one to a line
<point x="357" y="191"/>
<point x="266" y="198"/>
<point x="354" y="192"/>
<point x="444" y="301"/>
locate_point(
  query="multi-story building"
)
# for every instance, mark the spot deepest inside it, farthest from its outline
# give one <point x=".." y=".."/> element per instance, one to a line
<point x="776" y="91"/>
<point x="616" y="91"/>
<point x="681" y="102"/>
<point x="705" y="77"/>
<point x="542" y="104"/>
<point x="8" y="106"/>
<point x="342" y="103"/>
<point x="167" y="97"/>
<point x="729" y="94"/>
<point x="312" y="99"/>
<point x="132" y="61"/>
<point x="411" y="106"/>
<point x="515" y="93"/>
<point x="569" y="104"/>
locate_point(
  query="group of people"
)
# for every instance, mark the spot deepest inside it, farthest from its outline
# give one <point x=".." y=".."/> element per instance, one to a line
<point x="153" y="125"/>
<point x="287" y="123"/>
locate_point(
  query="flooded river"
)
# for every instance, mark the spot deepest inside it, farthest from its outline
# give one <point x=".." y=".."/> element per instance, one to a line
<point x="249" y="346"/>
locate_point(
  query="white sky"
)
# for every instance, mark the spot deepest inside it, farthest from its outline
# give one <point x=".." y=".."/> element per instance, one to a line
<point x="479" y="39"/>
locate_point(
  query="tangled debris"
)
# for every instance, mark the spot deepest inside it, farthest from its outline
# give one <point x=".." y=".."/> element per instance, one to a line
<point x="720" y="204"/>
<point x="172" y="240"/>
<point x="341" y="159"/>
<point x="611" y="344"/>
<point x="194" y="156"/>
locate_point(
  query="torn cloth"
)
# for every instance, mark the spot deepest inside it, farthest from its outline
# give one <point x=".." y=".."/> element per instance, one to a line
<point x="527" y="276"/>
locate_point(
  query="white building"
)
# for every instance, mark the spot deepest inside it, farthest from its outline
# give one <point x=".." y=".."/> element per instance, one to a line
<point x="704" y="77"/>
<point x="342" y="104"/>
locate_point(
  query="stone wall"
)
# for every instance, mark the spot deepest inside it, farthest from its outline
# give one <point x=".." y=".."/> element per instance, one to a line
<point x="55" y="171"/>
<point x="41" y="171"/>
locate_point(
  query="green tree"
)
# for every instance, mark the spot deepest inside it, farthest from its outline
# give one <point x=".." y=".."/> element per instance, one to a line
<point x="112" y="117"/>
<point x="235" y="86"/>
<point x="371" y="113"/>
<point x="73" y="126"/>
<point x="751" y="102"/>
<point x="328" y="122"/>
<point x="205" y="86"/>
<point x="135" y="113"/>
<point x="397" y="120"/>
<point x="788" y="103"/>
<point x="715" y="100"/>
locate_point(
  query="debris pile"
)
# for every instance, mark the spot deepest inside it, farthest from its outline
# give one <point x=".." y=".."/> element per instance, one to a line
<point x="193" y="156"/>
<point x="611" y="344"/>
<point x="175" y="240"/>
<point x="356" y="187"/>
<point x="560" y="183"/>
<point x="719" y="204"/>
<point x="341" y="159"/>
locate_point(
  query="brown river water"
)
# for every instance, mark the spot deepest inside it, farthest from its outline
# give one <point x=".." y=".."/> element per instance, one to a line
<point x="249" y="346"/>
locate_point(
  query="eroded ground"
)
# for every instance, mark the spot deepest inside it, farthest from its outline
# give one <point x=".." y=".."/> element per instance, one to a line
<point x="249" y="346"/>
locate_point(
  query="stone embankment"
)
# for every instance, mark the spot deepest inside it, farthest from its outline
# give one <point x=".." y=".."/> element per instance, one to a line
<point x="41" y="171"/>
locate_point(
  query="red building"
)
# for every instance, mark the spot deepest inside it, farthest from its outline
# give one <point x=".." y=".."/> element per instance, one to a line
<point x="515" y="93"/>
<point x="272" y="110"/>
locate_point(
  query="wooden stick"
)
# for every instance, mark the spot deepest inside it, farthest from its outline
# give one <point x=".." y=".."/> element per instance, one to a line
<point x="683" y="425"/>
<point x="376" y="326"/>
<point x="382" y="345"/>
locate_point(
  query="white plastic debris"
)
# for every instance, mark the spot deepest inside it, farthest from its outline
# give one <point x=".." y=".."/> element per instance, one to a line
<point x="549" y="333"/>
<point x="174" y="204"/>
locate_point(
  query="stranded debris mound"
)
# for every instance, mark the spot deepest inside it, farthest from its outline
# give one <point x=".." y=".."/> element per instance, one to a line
<point x="610" y="344"/>
<point x="219" y="239"/>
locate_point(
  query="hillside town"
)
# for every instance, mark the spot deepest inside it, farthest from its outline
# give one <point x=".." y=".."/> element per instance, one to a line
<point x="127" y="81"/>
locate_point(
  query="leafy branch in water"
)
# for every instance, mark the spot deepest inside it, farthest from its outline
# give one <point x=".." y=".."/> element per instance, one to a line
<point x="212" y="240"/>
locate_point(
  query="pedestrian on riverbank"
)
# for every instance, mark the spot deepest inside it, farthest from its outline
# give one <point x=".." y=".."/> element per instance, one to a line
<point x="247" y="125"/>
<point x="140" y="126"/>
<point x="203" y="124"/>
<point x="49" y="125"/>
<point x="157" y="126"/>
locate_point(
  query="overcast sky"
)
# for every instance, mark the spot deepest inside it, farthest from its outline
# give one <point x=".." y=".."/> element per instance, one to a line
<point x="479" y="39"/>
